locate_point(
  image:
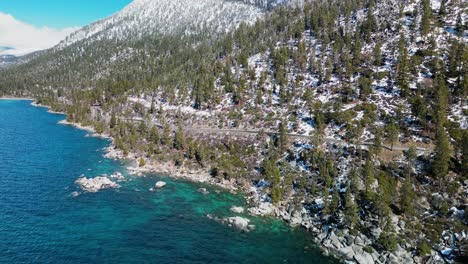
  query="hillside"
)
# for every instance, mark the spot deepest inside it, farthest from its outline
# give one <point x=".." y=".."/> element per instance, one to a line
<point x="141" y="32"/>
<point x="348" y="118"/>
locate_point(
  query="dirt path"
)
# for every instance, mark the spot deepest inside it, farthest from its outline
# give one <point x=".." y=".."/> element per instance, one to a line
<point x="243" y="132"/>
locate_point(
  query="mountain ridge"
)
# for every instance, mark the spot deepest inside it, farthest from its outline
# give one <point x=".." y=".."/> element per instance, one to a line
<point x="143" y="18"/>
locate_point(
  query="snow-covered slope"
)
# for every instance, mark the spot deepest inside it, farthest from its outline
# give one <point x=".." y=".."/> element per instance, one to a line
<point x="142" y="18"/>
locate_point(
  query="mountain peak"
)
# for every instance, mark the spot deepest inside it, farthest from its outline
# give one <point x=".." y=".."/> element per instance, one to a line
<point x="143" y="18"/>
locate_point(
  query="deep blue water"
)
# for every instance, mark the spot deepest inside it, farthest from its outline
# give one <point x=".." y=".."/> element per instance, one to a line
<point x="41" y="222"/>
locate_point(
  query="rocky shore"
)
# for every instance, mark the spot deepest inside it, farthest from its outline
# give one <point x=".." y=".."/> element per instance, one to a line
<point x="96" y="184"/>
<point x="351" y="248"/>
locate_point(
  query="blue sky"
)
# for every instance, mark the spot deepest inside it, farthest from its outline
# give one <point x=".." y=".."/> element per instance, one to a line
<point x="61" y="14"/>
<point x="30" y="25"/>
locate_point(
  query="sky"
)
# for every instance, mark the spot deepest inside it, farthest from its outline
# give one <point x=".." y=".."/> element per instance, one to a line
<point x="31" y="25"/>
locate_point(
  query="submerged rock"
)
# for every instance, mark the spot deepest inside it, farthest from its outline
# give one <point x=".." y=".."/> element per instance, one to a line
<point x="118" y="176"/>
<point x="203" y="191"/>
<point x="240" y="223"/>
<point x="96" y="184"/>
<point x="237" y="209"/>
<point x="160" y="184"/>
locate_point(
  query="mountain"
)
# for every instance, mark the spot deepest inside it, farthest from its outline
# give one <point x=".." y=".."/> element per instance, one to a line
<point x="138" y="32"/>
<point x="143" y="18"/>
<point x="7" y="60"/>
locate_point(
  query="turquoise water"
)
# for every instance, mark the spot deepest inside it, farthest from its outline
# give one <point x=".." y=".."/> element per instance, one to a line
<point x="41" y="222"/>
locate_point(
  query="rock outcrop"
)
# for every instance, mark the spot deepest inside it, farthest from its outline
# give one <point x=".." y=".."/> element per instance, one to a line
<point x="263" y="209"/>
<point x="96" y="184"/>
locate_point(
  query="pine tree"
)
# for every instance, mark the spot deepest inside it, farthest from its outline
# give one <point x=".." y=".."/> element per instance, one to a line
<point x="407" y="197"/>
<point x="369" y="179"/>
<point x="426" y="17"/>
<point x="418" y="106"/>
<point x="464" y="154"/>
<point x="354" y="181"/>
<point x="377" y="146"/>
<point x="357" y="49"/>
<point x="370" y="24"/>
<point x="411" y="156"/>
<point x="272" y="173"/>
<point x="442" y="155"/>
<point x="442" y="9"/>
<point x="365" y="87"/>
<point x="141" y="163"/>
<point x="335" y="202"/>
<point x="392" y="133"/>
<point x="166" y="136"/>
<point x="282" y="137"/>
<point x="441" y="103"/>
<point x="113" y="120"/>
<point x="387" y="237"/>
<point x="378" y="54"/>
<point x="154" y="136"/>
<point x="153" y="107"/>
<point x="179" y="138"/>
<point x="351" y="210"/>
<point x="454" y="61"/>
<point x="459" y="26"/>
<point x="462" y="86"/>
<point x="402" y="67"/>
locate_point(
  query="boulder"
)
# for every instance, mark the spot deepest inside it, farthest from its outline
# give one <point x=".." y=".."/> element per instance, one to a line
<point x="160" y="184"/>
<point x="285" y="216"/>
<point x="347" y="253"/>
<point x="263" y="209"/>
<point x="237" y="209"/>
<point x="349" y="240"/>
<point x="203" y="191"/>
<point x="306" y="224"/>
<point x="118" y="176"/>
<point x="437" y="201"/>
<point x="359" y="241"/>
<point x="399" y="252"/>
<point x="393" y="259"/>
<point x="240" y="223"/>
<point x="96" y="184"/>
<point x="295" y="219"/>
<point x="363" y="258"/>
<point x="335" y="241"/>
<point x="376" y="232"/>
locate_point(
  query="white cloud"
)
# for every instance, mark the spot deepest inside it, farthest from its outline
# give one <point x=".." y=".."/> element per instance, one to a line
<point x="23" y="38"/>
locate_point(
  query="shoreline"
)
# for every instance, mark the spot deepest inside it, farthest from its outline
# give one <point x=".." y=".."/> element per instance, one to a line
<point x="17" y="98"/>
<point x="165" y="168"/>
<point x="332" y="242"/>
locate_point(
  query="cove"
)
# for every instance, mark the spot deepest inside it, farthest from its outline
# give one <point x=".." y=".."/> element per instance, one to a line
<point x="42" y="222"/>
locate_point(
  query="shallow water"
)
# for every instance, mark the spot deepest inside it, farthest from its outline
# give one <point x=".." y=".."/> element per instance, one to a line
<point x="41" y="222"/>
